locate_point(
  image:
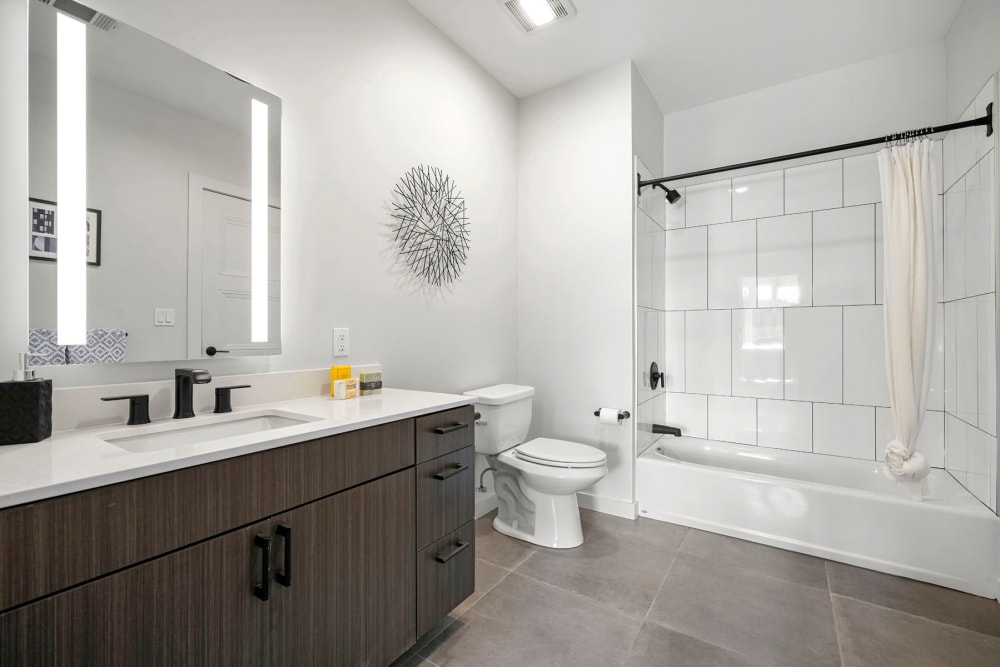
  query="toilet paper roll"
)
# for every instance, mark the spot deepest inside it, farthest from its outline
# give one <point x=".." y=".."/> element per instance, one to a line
<point x="609" y="416"/>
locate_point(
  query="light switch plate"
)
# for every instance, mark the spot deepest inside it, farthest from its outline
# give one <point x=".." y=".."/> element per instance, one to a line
<point x="341" y="342"/>
<point x="163" y="317"/>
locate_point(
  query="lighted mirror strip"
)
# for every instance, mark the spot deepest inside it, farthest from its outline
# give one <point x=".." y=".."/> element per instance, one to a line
<point x="71" y="180"/>
<point x="258" y="222"/>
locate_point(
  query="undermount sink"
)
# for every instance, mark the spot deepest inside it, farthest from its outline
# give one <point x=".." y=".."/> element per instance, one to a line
<point x="169" y="435"/>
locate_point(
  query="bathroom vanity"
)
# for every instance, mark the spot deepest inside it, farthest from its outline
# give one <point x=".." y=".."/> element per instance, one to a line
<point x="332" y="549"/>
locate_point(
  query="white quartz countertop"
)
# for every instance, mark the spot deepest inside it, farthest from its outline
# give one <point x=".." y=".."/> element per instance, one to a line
<point x="81" y="459"/>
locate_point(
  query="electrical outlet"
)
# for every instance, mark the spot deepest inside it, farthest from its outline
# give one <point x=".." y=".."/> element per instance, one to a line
<point x="341" y="342"/>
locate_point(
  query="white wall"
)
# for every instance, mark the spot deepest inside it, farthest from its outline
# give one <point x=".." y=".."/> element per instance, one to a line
<point x="647" y="124"/>
<point x="13" y="183"/>
<point x="972" y="52"/>
<point x="575" y="306"/>
<point x="896" y="92"/>
<point x="369" y="90"/>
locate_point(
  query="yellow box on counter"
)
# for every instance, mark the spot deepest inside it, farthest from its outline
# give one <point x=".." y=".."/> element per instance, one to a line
<point x="344" y="389"/>
<point x="338" y="373"/>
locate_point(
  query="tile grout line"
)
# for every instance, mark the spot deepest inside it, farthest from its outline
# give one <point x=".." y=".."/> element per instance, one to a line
<point x="911" y="615"/>
<point x="833" y="612"/>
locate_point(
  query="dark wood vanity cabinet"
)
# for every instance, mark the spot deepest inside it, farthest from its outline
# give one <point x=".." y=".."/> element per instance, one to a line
<point x="330" y="572"/>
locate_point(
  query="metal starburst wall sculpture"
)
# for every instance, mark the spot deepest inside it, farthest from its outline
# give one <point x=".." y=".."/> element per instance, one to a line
<point x="431" y="230"/>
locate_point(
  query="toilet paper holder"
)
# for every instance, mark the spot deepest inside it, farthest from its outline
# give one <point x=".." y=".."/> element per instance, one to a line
<point x="622" y="414"/>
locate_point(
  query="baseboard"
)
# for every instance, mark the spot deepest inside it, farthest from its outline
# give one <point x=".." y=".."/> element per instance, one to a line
<point x="607" y="505"/>
<point x="485" y="504"/>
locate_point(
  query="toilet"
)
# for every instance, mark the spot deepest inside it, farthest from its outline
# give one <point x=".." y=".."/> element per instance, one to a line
<point x="536" y="481"/>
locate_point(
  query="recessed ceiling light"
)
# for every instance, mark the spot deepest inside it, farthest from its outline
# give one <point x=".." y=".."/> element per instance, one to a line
<point x="530" y="15"/>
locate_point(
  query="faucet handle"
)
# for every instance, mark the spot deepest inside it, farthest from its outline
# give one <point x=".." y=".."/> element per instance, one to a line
<point x="138" y="407"/>
<point x="223" y="397"/>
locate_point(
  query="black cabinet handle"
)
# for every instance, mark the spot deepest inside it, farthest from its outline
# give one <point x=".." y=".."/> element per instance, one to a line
<point x="441" y="430"/>
<point x="284" y="576"/>
<point x="459" y="547"/>
<point x="451" y="472"/>
<point x="262" y="591"/>
<point x="211" y="351"/>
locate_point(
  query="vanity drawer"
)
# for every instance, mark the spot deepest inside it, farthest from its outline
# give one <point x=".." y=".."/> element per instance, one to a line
<point x="444" y="432"/>
<point x="446" y="575"/>
<point x="444" y="494"/>
<point x="57" y="543"/>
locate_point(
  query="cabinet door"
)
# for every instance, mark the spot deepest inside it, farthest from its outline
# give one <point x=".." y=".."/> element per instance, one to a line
<point x="350" y="599"/>
<point x="193" y="607"/>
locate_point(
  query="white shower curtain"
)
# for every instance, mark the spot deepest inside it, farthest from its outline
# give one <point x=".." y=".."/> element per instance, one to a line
<point x="907" y="223"/>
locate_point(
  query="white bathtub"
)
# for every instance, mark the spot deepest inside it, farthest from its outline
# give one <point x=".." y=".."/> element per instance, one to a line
<point x="836" y="508"/>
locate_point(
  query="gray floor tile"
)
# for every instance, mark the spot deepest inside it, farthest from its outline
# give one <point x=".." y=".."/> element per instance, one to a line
<point x="497" y="548"/>
<point x="917" y="598"/>
<point x="525" y="622"/>
<point x="487" y="576"/>
<point x="621" y="563"/>
<point x="658" y="646"/>
<point x="411" y="659"/>
<point x="788" y="565"/>
<point x="769" y="619"/>
<point x="872" y="635"/>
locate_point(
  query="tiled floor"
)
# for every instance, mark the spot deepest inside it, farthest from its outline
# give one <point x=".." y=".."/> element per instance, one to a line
<point x="650" y="593"/>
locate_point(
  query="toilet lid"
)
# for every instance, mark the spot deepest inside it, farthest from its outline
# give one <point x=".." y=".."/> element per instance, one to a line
<point x="560" y="453"/>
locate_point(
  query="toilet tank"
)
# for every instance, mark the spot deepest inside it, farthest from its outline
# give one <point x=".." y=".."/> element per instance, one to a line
<point x="504" y="416"/>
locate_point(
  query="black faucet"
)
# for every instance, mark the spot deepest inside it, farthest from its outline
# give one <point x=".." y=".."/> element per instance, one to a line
<point x="184" y="378"/>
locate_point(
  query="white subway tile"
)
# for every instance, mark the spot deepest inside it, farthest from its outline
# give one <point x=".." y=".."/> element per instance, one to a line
<point x="966" y="143"/>
<point x="844" y="430"/>
<point x="955" y="443"/>
<point x="988" y="175"/>
<point x="708" y="353"/>
<point x="813" y="354"/>
<point x="864" y="356"/>
<point x="643" y="270"/>
<point x="689" y="413"/>
<point x="759" y="195"/>
<point x="814" y="187"/>
<point x="993" y="474"/>
<point x="686" y="269"/>
<point x="732" y="265"/>
<point x="644" y="424"/>
<point x="674" y="213"/>
<point x="784" y="425"/>
<point x="954" y="242"/>
<point x="977" y="236"/>
<point x="657" y="279"/>
<point x="978" y="463"/>
<point x="672" y="365"/>
<point x="758" y="350"/>
<point x="938" y="247"/>
<point x="844" y="256"/>
<point x="732" y="419"/>
<point x="645" y="322"/>
<point x="879" y="257"/>
<point x="930" y="440"/>
<point x="709" y="203"/>
<point x="861" y="180"/>
<point x="784" y="261"/>
<point x="948" y="173"/>
<point x="966" y="367"/>
<point x="986" y="359"/>
<point x="935" y="392"/>
<point x="950" y="357"/>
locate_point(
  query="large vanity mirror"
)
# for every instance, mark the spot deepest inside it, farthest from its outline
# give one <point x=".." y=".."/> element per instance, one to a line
<point x="172" y="230"/>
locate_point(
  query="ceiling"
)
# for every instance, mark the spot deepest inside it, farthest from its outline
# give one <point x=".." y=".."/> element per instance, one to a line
<point x="690" y="52"/>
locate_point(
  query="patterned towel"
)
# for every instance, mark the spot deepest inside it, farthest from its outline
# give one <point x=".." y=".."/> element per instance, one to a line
<point x="45" y="343"/>
<point x="104" y="346"/>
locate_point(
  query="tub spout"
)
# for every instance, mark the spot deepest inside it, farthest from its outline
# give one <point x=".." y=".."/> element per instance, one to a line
<point x="668" y="430"/>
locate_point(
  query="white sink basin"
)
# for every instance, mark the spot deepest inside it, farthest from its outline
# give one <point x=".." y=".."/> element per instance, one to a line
<point x="170" y="435"/>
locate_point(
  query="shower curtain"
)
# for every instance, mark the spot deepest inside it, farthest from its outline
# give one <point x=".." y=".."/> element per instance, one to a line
<point x="907" y="222"/>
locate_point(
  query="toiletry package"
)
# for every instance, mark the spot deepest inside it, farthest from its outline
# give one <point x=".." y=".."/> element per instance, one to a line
<point x="344" y="389"/>
<point x="370" y="383"/>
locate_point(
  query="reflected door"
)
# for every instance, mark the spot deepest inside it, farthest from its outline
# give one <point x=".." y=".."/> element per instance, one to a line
<point x="225" y="276"/>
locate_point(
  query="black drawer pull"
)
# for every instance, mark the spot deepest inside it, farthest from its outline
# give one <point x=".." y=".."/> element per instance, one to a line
<point x="451" y="472"/>
<point x="262" y="591"/>
<point x="284" y="577"/>
<point x="459" y="547"/>
<point x="441" y="430"/>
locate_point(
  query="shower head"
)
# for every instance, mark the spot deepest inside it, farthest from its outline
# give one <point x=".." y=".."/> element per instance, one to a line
<point x="672" y="195"/>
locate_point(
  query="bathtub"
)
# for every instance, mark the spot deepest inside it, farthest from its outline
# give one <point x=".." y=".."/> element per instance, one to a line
<point x="836" y="508"/>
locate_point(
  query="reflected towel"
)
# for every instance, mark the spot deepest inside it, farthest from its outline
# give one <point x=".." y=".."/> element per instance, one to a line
<point x="45" y="342"/>
<point x="104" y="346"/>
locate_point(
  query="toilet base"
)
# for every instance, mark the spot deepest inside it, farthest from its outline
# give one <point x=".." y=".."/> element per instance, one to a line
<point x="557" y="522"/>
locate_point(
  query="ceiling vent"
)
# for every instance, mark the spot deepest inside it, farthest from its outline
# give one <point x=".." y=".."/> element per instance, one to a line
<point x="84" y="13"/>
<point x="533" y="15"/>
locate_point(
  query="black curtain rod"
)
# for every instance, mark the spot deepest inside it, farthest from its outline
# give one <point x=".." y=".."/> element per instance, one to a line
<point x="986" y="120"/>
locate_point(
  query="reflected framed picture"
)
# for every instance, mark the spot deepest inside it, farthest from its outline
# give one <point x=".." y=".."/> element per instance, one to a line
<point x="43" y="232"/>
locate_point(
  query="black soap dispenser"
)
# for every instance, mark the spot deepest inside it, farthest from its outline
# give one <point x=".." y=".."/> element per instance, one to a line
<point x="25" y="406"/>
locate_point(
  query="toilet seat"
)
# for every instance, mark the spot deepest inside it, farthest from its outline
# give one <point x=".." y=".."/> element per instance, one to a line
<point x="560" y="454"/>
